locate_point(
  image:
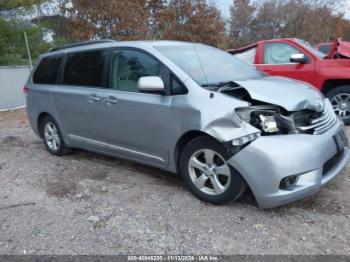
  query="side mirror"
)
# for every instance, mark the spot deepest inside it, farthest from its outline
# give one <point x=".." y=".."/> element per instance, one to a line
<point x="298" y="58"/>
<point x="150" y="84"/>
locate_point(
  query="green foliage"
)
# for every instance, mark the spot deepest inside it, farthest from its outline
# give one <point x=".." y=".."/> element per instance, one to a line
<point x="7" y="5"/>
<point x="57" y="25"/>
<point x="12" y="43"/>
<point x="13" y="24"/>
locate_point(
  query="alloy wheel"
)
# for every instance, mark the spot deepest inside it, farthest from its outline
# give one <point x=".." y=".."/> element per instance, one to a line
<point x="209" y="172"/>
<point x="341" y="104"/>
<point x="51" y="136"/>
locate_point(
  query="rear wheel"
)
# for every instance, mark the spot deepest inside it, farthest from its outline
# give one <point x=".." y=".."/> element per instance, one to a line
<point x="52" y="137"/>
<point x="340" y="100"/>
<point x="207" y="174"/>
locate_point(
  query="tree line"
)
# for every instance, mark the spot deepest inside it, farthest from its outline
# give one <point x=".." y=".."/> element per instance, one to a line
<point x="54" y="22"/>
<point x="315" y="21"/>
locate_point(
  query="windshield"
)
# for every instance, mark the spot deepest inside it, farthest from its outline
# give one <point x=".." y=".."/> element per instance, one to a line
<point x="311" y="49"/>
<point x="208" y="65"/>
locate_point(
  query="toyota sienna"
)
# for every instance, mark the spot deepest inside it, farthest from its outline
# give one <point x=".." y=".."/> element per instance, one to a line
<point x="189" y="108"/>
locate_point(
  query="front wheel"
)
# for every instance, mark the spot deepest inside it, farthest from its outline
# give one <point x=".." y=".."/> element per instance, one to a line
<point x="207" y="174"/>
<point x="340" y="100"/>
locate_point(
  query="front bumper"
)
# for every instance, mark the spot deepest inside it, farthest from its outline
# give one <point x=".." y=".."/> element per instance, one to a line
<point x="316" y="159"/>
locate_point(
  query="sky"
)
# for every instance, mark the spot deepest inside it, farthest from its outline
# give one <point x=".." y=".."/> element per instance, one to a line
<point x="224" y="6"/>
<point x="347" y="12"/>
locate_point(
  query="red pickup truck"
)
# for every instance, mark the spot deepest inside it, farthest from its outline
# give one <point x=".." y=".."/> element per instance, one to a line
<point x="295" y="58"/>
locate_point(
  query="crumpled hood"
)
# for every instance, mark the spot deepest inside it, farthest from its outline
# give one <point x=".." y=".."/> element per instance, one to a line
<point x="290" y="94"/>
<point x="339" y="47"/>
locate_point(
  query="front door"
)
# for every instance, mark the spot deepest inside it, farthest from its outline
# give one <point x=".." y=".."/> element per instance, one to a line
<point x="137" y="124"/>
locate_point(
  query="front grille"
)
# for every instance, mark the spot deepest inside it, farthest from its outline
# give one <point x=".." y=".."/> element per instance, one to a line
<point x="322" y="123"/>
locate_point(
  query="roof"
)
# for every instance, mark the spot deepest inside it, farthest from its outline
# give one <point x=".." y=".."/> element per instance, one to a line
<point x="81" y="44"/>
<point x="106" y="43"/>
<point x="241" y="49"/>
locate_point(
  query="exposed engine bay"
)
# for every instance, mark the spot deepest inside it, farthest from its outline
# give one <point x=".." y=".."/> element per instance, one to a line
<point x="276" y="120"/>
<point x="272" y="120"/>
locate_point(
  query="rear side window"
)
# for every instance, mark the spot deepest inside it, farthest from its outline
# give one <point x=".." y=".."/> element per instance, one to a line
<point x="84" y="69"/>
<point x="46" y="72"/>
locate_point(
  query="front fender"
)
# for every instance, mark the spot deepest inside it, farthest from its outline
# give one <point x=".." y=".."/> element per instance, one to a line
<point x="228" y="127"/>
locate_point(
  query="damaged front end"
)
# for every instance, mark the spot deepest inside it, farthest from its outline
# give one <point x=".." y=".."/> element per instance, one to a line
<point x="277" y="108"/>
<point x="339" y="50"/>
<point x="274" y="120"/>
<point x="301" y="146"/>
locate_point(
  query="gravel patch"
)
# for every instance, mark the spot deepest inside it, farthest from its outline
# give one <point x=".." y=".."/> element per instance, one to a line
<point x="85" y="203"/>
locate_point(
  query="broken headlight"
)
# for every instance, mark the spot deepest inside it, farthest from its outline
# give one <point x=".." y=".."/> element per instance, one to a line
<point x="267" y="123"/>
<point x="269" y="119"/>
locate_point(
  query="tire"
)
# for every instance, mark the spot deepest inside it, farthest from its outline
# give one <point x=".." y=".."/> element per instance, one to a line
<point x="338" y="97"/>
<point x="217" y="183"/>
<point x="52" y="137"/>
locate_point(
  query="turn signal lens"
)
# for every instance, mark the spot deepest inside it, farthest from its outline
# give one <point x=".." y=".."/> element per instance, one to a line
<point x="245" y="139"/>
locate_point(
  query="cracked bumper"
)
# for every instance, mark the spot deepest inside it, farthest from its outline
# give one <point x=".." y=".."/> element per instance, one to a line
<point x="269" y="159"/>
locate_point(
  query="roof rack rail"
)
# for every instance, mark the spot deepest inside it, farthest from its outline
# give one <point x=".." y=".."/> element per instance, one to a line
<point x="92" y="42"/>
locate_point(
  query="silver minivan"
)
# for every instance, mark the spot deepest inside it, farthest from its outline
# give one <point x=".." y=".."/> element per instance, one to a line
<point x="189" y="108"/>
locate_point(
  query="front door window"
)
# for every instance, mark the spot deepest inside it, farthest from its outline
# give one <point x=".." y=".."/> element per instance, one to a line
<point x="128" y="66"/>
<point x="278" y="53"/>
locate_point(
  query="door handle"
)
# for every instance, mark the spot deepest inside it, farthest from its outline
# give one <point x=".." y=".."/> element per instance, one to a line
<point x="110" y="100"/>
<point x="94" y="98"/>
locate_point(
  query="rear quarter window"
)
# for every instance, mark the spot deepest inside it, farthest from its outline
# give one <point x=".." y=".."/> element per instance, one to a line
<point x="46" y="72"/>
<point x="325" y="48"/>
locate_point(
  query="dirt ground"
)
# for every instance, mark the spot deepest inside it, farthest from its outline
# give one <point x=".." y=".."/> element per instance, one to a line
<point x="85" y="203"/>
